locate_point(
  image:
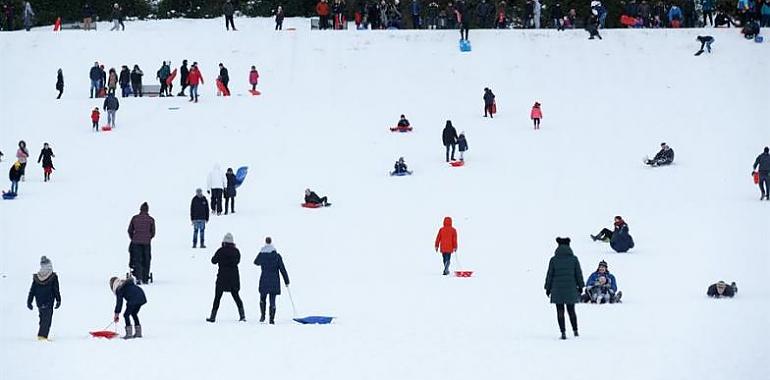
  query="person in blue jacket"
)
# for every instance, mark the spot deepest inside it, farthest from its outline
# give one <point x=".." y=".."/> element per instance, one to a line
<point x="601" y="286"/>
<point x="621" y="240"/>
<point x="462" y="145"/>
<point x="269" y="282"/>
<point x="416" y="8"/>
<point x="135" y="299"/>
<point x="675" y="13"/>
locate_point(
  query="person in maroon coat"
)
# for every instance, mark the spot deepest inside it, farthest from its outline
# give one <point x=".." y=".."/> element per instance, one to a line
<point x="141" y="230"/>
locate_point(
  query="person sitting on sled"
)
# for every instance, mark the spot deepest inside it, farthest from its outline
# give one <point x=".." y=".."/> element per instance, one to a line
<point x="619" y="238"/>
<point x="135" y="298"/>
<point x="664" y="157"/>
<point x="402" y="126"/>
<point x="400" y="167"/>
<point x="601" y="286"/>
<point x="312" y="198"/>
<point x="721" y="289"/>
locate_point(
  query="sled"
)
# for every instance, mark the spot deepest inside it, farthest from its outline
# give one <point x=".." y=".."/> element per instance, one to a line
<point x="314" y="320"/>
<point x="105" y="333"/>
<point x="493" y="108"/>
<point x="758" y="39"/>
<point x="240" y="175"/>
<point x="170" y="78"/>
<point x="291" y="29"/>
<point x="463" y="273"/>
<point x="465" y="46"/>
<point x="9" y="195"/>
<point x="255" y="92"/>
<point x="392" y="174"/>
<point x="401" y="129"/>
<point x="312" y="205"/>
<point x="457" y="164"/>
<point x="102" y="93"/>
<point x="627" y="20"/>
<point x="173" y="108"/>
<point x="221" y="90"/>
<point x="756" y="177"/>
<point x="699" y="52"/>
<point x="106" y="128"/>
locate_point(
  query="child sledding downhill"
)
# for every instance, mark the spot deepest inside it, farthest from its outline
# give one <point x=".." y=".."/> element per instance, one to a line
<point x="46" y="155"/>
<point x="536" y="114"/>
<point x="311" y="198"/>
<point x="446" y="243"/>
<point x="95" y="119"/>
<point x="402" y="126"/>
<point x="126" y="289"/>
<point x="400" y="168"/>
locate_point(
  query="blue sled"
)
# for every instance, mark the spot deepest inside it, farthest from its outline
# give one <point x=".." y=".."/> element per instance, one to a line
<point x="314" y="320"/>
<point x="758" y="39"/>
<point x="9" y="195"/>
<point x="400" y="174"/>
<point x="465" y="46"/>
<point x="240" y="175"/>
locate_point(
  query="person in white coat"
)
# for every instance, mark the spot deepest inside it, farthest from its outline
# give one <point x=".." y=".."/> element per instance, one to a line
<point x="216" y="187"/>
<point x="28" y="15"/>
<point x="536" y="13"/>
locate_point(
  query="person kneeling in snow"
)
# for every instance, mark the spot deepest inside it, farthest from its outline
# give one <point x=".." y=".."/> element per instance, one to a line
<point x="400" y="167"/>
<point x="601" y="286"/>
<point x="134" y="296"/>
<point x="402" y="126"/>
<point x="313" y="198"/>
<point x="664" y="157"/>
<point x="720" y="289"/>
<point x="751" y="30"/>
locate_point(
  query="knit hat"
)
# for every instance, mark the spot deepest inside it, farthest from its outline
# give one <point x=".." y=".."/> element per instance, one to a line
<point x="563" y="241"/>
<point x="46" y="268"/>
<point x="603" y="264"/>
<point x="199" y="191"/>
<point x="228" y="238"/>
<point x="115" y="283"/>
<point x="144" y="207"/>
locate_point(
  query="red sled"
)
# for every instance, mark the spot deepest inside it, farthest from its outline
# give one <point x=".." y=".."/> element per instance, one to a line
<point x="102" y="93"/>
<point x="457" y="164"/>
<point x="627" y="20"/>
<point x="463" y="273"/>
<point x="106" y="128"/>
<point x="221" y="89"/>
<point x="312" y="205"/>
<point x="171" y="77"/>
<point x="493" y="108"/>
<point x="107" y="334"/>
<point x="255" y="92"/>
<point x="756" y="177"/>
<point x="401" y="129"/>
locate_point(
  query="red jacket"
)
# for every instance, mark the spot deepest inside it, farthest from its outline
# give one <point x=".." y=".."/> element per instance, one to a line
<point x="253" y="77"/>
<point x="95" y="115"/>
<point x="322" y="9"/>
<point x="446" y="240"/>
<point x="194" y="77"/>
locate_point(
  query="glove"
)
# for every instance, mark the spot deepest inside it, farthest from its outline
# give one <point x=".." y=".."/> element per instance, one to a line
<point x="29" y="306"/>
<point x="116" y="318"/>
<point x="58" y="303"/>
<point x="548" y="293"/>
<point x="580" y="290"/>
<point x="208" y="191"/>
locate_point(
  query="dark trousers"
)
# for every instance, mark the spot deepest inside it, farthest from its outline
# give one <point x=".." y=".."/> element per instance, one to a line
<point x="124" y="90"/>
<point x="323" y="22"/>
<point x="229" y="22"/>
<point x="446" y="258"/>
<point x="216" y="200"/>
<point x="132" y="312"/>
<point x="464" y="29"/>
<point x="488" y="110"/>
<point x="139" y="261"/>
<point x="279" y="25"/>
<point x="229" y="201"/>
<point x="184" y="86"/>
<point x="604" y="234"/>
<point x="218" y="297"/>
<point x="163" y="88"/>
<point x="710" y="18"/>
<point x="60" y="92"/>
<point x="136" y="88"/>
<point x="447" y="152"/>
<point x="263" y="301"/>
<point x="764" y="183"/>
<point x="46" y="316"/>
<point x="95" y="125"/>
<point x="416" y="21"/>
<point x="572" y="316"/>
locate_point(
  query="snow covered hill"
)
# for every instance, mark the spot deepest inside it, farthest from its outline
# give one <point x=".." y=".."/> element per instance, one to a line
<point x="321" y="122"/>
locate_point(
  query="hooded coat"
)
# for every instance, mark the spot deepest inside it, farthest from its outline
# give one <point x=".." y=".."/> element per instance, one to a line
<point x="621" y="240"/>
<point x="216" y="178"/>
<point x="564" y="279"/>
<point x="271" y="263"/>
<point x="227" y="257"/>
<point x="133" y="294"/>
<point x="44" y="291"/>
<point x="446" y="240"/>
<point x="449" y="135"/>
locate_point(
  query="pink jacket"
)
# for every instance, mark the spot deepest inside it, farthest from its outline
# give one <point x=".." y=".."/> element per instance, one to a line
<point x="253" y="77"/>
<point x="22" y="155"/>
<point x="536" y="113"/>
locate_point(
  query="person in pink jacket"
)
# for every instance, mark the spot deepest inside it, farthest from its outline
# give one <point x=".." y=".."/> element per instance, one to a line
<point x="536" y="115"/>
<point x="253" y="78"/>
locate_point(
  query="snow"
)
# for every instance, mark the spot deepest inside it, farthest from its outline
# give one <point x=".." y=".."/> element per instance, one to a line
<point x="321" y="122"/>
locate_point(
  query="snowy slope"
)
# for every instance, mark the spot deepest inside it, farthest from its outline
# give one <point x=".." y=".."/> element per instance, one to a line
<point x="368" y="260"/>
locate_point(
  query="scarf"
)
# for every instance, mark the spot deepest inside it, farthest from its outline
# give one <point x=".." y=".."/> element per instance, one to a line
<point x="45" y="271"/>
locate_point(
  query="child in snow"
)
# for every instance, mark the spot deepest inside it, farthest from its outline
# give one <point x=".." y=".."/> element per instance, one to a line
<point x="536" y="114"/>
<point x="269" y="284"/>
<point x="664" y="157"/>
<point x="45" y="291"/>
<point x="46" y="154"/>
<point x="704" y="41"/>
<point x="59" y="83"/>
<point x="135" y="298"/>
<point x="313" y="198"/>
<point x="446" y="242"/>
<point x="230" y="191"/>
<point x="720" y="289"/>
<point x="402" y="126"/>
<point x="95" y="119"/>
<point x="400" y="167"/>
<point x="601" y="286"/>
<point x="22" y="154"/>
<point x="462" y="145"/>
<point x="253" y="78"/>
<point x="15" y="176"/>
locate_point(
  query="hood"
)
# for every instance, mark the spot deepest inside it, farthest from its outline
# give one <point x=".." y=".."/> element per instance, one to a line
<point x="447" y="222"/>
<point x="43" y="280"/>
<point x="267" y="249"/>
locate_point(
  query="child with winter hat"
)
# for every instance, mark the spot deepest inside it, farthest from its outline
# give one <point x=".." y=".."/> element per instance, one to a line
<point x="134" y="296"/>
<point x="536" y="115"/>
<point x="45" y="291"/>
<point x="253" y="77"/>
<point x="462" y="145"/>
<point x="95" y="119"/>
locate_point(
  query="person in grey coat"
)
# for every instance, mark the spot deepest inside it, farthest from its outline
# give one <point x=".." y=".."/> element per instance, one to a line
<point x="763" y="164"/>
<point x="269" y="283"/>
<point x="29" y="14"/>
<point x="564" y="283"/>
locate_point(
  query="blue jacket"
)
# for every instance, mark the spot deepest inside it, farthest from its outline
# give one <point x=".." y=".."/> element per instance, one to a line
<point x="415" y="7"/>
<point x="462" y="143"/>
<point x="674" y="13"/>
<point x="594" y="278"/>
<point x="271" y="263"/>
<point x="133" y="295"/>
<point x="621" y="240"/>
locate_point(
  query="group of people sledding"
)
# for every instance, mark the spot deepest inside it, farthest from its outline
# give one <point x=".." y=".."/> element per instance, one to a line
<point x="18" y="169"/>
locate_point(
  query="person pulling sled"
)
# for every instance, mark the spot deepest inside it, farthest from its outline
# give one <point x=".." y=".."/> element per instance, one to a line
<point x="126" y="289"/>
<point x="271" y="263"/>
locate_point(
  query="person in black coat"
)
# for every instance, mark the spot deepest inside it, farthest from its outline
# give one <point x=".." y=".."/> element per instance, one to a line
<point x="312" y="198"/>
<point x="136" y="81"/>
<point x="199" y="216"/>
<point x="135" y="299"/>
<point x="124" y="79"/>
<point x="664" y="157"/>
<point x="111" y="105"/>
<point x="15" y="174"/>
<point x="44" y="291"/>
<point x="762" y="166"/>
<point x="721" y="289"/>
<point x="269" y="282"/>
<point x="279" y="15"/>
<point x="228" y="11"/>
<point x="592" y="26"/>
<point x="46" y="155"/>
<point x="230" y="191"/>
<point x="59" y="83"/>
<point x="228" y="279"/>
<point x="224" y="77"/>
<point x="463" y="18"/>
<point x="489" y="100"/>
<point x="449" y="138"/>
<point x="183" y="73"/>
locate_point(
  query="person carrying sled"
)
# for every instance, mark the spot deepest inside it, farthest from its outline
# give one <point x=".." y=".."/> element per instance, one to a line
<point x="14" y="174"/>
<point x="462" y="145"/>
<point x="161" y="76"/>
<point x="95" y="119"/>
<point x="59" y="83"/>
<point x="721" y="289"/>
<point x="46" y="155"/>
<point x="45" y="292"/>
<point x="664" y="157"/>
<point x="704" y="41"/>
<point x="564" y="284"/>
<point x="446" y="243"/>
<point x="194" y="78"/>
<point x="536" y="114"/>
<point x="230" y="191"/>
<point x="111" y="105"/>
<point x="126" y="289"/>
<point x="141" y="231"/>
<point x="601" y="286"/>
<point x="449" y="138"/>
<point x="402" y="126"/>
<point x="199" y="216"/>
<point x="271" y="263"/>
<point x="400" y="167"/>
<point x="253" y="78"/>
<point x="227" y="258"/>
<point x="762" y="166"/>
<point x="489" y="102"/>
<point x="224" y="78"/>
<point x="312" y="198"/>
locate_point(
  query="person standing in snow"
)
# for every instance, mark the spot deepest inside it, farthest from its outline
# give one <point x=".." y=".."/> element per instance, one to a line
<point x="279" y="15"/>
<point x="227" y="258"/>
<point x="112" y="81"/>
<point x="45" y="292"/>
<point x="489" y="101"/>
<point x="762" y="166"/>
<point x="102" y="81"/>
<point x="135" y="299"/>
<point x="230" y="191"/>
<point x="557" y="16"/>
<point x="141" y="231"/>
<point x="446" y="243"/>
<point x="116" y="17"/>
<point x="224" y="77"/>
<point x="59" y="83"/>
<point x="592" y="26"/>
<point x="183" y="76"/>
<point x="253" y="78"/>
<point x="462" y="145"/>
<point x="271" y="263"/>
<point x="228" y="9"/>
<point x="28" y="14"/>
<point x="136" y="81"/>
<point x="95" y="75"/>
<point x="162" y="75"/>
<point x="22" y="154"/>
<point x="199" y="216"/>
<point x="111" y="105"/>
<point x="449" y="138"/>
<point x="95" y="119"/>
<point x="463" y="19"/>
<point x="216" y="182"/>
<point x="536" y="114"/>
<point x="536" y="13"/>
<point x="322" y="9"/>
<point x="14" y="175"/>
<point x="124" y="80"/>
<point x="564" y="284"/>
<point x="194" y="78"/>
<point x="664" y="157"/>
<point x="46" y="155"/>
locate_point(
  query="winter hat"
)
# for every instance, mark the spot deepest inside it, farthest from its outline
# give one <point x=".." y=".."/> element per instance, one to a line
<point x="563" y="241"/>
<point x="228" y="239"/>
<point x="767" y="150"/>
<point x="537" y="104"/>
<point x="603" y="264"/>
<point x="115" y="284"/>
<point x="144" y="207"/>
<point x="46" y="268"/>
<point x="198" y="191"/>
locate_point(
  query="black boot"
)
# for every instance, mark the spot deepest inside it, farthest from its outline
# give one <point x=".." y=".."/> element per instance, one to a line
<point x="213" y="316"/>
<point x="272" y="315"/>
<point x="563" y="335"/>
<point x="576" y="333"/>
<point x="262" y="306"/>
<point x="242" y="314"/>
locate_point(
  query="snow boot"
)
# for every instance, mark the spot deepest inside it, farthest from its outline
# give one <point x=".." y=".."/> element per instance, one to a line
<point x="735" y="287"/>
<point x="129" y="332"/>
<point x="242" y="315"/>
<point x="594" y="238"/>
<point x="262" y="306"/>
<point x="195" y="245"/>
<point x="563" y="336"/>
<point x="576" y="333"/>
<point x="272" y="315"/>
<point x="213" y="316"/>
<point x="618" y="295"/>
<point x="138" y="331"/>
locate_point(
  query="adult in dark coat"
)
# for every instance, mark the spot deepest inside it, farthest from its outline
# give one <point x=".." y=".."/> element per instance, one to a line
<point x="230" y="191"/>
<point x="269" y="282"/>
<point x="59" y="83"/>
<point x="135" y="299"/>
<point x="762" y="166"/>
<point x="228" y="9"/>
<point x="125" y="81"/>
<point x="183" y="73"/>
<point x="111" y="105"/>
<point x="621" y="240"/>
<point x="312" y="198"/>
<point x="664" y="157"/>
<point x="224" y="77"/>
<point x="463" y="18"/>
<point x="95" y="74"/>
<point x="136" y="81"/>
<point x="199" y="216"/>
<point x="141" y="231"/>
<point x="489" y="100"/>
<point x="449" y="138"/>
<point x="564" y="283"/>
<point x="46" y="155"/>
<point x="721" y="289"/>
<point x="44" y="291"/>
<point x="228" y="279"/>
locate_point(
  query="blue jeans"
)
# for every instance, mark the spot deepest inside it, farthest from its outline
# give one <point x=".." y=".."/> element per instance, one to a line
<point x="14" y="187"/>
<point x="95" y="86"/>
<point x="199" y="225"/>
<point x="194" y="92"/>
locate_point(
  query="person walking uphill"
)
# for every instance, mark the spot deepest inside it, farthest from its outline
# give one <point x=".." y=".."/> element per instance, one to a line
<point x="111" y="105"/>
<point x="46" y="155"/>
<point x="59" y="83"/>
<point x="564" y="283"/>
<point x="199" y="216"/>
<point x="489" y="102"/>
<point x="135" y="299"/>
<point x="449" y="138"/>
<point x="228" y="280"/>
<point x="269" y="283"/>
<point x="141" y="231"/>
<point x="763" y="164"/>
<point x="446" y="243"/>
<point x="194" y="78"/>
<point x="45" y="292"/>
<point x="224" y="77"/>
<point x="228" y="9"/>
<point x="536" y="114"/>
<point x="230" y="191"/>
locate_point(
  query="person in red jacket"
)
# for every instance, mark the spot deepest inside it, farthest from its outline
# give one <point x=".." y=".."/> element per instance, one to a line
<point x="95" y="119"/>
<point x="194" y="78"/>
<point x="322" y="8"/>
<point x="536" y="115"/>
<point x="446" y="242"/>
